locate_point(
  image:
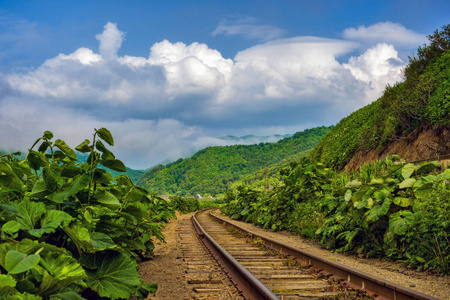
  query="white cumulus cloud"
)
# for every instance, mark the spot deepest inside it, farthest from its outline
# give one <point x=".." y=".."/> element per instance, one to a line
<point x="386" y="32"/>
<point x="378" y="66"/>
<point x="110" y="40"/>
<point x="183" y="95"/>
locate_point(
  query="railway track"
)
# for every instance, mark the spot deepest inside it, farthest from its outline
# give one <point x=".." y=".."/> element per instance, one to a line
<point x="263" y="268"/>
<point x="204" y="276"/>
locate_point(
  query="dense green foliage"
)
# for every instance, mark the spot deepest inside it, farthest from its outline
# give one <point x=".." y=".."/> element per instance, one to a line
<point x="191" y="204"/>
<point x="422" y="99"/>
<point x="69" y="228"/>
<point x="386" y="209"/>
<point x="214" y="169"/>
<point x="82" y="158"/>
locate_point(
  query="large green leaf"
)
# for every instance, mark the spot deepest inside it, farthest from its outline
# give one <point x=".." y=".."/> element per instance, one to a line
<point x="28" y="213"/>
<point x="381" y="194"/>
<point x="423" y="187"/>
<point x="114" y="164"/>
<point x="66" y="149"/>
<point x="83" y="147"/>
<point x="22" y="296"/>
<point x="426" y="168"/>
<point x="107" y="199"/>
<point x="403" y="202"/>
<point x="17" y="262"/>
<point x="7" y="280"/>
<point x="407" y="183"/>
<point x="425" y="183"/>
<point x="105" y="135"/>
<point x="113" y="275"/>
<point x="52" y="176"/>
<point x="39" y="187"/>
<point x="79" y="235"/>
<point x="133" y="243"/>
<point x="15" y="180"/>
<point x="138" y="194"/>
<point x="376" y="182"/>
<point x="401" y="221"/>
<point x="78" y="183"/>
<point x="145" y="289"/>
<point x="55" y="269"/>
<point x="348" y="195"/>
<point x="11" y="227"/>
<point x="127" y="217"/>
<point x="36" y="160"/>
<point x="106" y="154"/>
<point x="65" y="270"/>
<point x="103" y="177"/>
<point x="48" y="135"/>
<point x="361" y="193"/>
<point x="28" y="247"/>
<point x="52" y="220"/>
<point x="379" y="210"/>
<point x="101" y="241"/>
<point x="354" y="184"/>
<point x="408" y="170"/>
<point x="444" y="175"/>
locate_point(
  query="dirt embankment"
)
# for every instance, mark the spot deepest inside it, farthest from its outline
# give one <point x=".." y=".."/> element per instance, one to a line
<point x="422" y="143"/>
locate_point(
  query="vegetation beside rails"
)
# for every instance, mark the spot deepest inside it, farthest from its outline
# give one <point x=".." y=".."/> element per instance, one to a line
<point x="69" y="230"/>
<point x="387" y="209"/>
<point x="191" y="204"/>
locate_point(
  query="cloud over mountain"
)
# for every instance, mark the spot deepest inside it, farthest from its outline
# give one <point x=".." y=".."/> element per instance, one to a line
<point x="181" y="95"/>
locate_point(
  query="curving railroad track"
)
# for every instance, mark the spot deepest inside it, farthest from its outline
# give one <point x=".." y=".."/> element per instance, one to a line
<point x="263" y="268"/>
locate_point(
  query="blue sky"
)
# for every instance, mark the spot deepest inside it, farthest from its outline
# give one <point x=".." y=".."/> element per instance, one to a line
<point x="167" y="77"/>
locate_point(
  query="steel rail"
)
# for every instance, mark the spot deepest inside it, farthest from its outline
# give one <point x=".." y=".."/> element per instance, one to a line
<point x="248" y="284"/>
<point x="356" y="279"/>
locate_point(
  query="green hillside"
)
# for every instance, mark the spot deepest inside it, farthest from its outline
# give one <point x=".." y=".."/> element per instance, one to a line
<point x="213" y="169"/>
<point x="422" y="99"/>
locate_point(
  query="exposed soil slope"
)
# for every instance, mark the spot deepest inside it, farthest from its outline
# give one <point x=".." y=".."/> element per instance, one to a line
<point x="422" y="143"/>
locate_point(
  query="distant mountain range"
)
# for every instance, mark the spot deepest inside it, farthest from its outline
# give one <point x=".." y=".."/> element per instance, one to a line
<point x="214" y="169"/>
<point x="254" y="139"/>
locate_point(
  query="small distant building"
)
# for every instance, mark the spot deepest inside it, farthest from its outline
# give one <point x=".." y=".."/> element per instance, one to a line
<point x="165" y="197"/>
<point x="198" y="196"/>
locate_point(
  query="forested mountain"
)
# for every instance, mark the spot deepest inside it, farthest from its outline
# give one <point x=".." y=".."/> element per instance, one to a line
<point x="253" y="139"/>
<point x="421" y="102"/>
<point x="213" y="169"/>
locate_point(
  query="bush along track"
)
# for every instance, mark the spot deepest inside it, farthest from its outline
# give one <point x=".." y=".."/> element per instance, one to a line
<point x="69" y="230"/>
<point x="191" y="204"/>
<point x="388" y="208"/>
